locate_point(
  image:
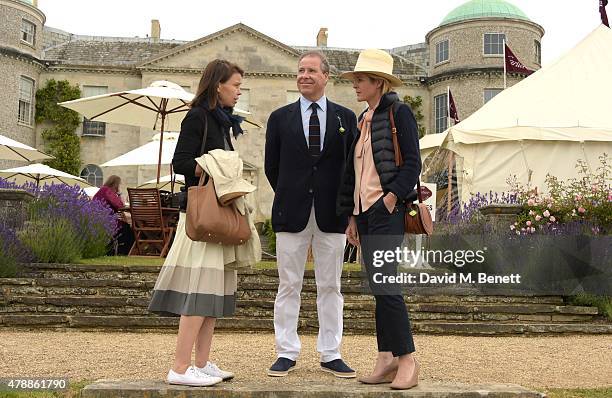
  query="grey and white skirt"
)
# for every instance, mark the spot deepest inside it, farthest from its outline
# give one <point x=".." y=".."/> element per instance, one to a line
<point x="194" y="279"/>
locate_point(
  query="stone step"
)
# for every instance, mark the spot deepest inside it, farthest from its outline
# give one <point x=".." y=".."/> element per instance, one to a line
<point x="132" y="323"/>
<point x="45" y="291"/>
<point x="308" y="314"/>
<point x="136" y="287"/>
<point x="296" y="389"/>
<point x="355" y="306"/>
<point x="139" y="288"/>
<point x="461" y="308"/>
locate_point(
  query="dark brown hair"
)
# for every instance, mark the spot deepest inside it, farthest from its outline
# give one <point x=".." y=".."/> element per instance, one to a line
<point x="216" y="72"/>
<point x="113" y="182"/>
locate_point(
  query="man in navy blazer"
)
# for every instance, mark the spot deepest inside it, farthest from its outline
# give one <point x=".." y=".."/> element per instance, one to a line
<point x="307" y="143"/>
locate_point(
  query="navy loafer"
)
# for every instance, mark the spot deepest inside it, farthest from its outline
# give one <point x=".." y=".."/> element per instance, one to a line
<point x="338" y="368"/>
<point x="281" y="367"/>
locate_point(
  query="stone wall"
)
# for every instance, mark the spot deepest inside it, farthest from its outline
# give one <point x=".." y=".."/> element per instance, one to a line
<point x="13" y="207"/>
<point x="466" y="44"/>
<point x="12" y="13"/>
<point x="17" y="58"/>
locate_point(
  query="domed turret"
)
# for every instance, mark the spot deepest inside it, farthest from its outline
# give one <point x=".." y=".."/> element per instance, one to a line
<point x="476" y="9"/>
<point x="466" y="54"/>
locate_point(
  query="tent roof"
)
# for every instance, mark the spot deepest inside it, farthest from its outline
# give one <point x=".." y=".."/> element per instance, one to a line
<point x="568" y="100"/>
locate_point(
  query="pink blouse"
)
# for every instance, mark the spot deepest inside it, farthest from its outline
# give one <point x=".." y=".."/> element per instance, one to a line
<point x="367" y="182"/>
<point x="110" y="197"/>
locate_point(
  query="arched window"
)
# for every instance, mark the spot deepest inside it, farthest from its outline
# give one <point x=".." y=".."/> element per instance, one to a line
<point x="93" y="175"/>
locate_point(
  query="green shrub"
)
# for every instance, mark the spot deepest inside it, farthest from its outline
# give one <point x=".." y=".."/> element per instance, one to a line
<point x="269" y="233"/>
<point x="52" y="241"/>
<point x="603" y="303"/>
<point x="8" y="264"/>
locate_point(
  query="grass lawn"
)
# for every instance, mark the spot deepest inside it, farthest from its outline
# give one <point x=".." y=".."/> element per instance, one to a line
<point x="604" y="392"/>
<point x="156" y="261"/>
<point x="123" y="260"/>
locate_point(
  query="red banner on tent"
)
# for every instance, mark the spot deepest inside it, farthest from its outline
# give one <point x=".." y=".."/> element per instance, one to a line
<point x="602" y="12"/>
<point x="452" y="108"/>
<point x="513" y="64"/>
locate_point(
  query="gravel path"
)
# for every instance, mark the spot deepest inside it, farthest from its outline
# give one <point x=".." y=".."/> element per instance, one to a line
<point x="535" y="362"/>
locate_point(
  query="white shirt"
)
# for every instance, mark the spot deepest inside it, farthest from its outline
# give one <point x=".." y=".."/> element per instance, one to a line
<point x="321" y="113"/>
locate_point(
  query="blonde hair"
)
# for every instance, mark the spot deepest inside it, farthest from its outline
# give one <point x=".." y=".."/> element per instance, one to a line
<point x="386" y="84"/>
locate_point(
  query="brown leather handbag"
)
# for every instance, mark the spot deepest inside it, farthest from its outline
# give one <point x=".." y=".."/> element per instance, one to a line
<point x="208" y="221"/>
<point x="417" y="219"/>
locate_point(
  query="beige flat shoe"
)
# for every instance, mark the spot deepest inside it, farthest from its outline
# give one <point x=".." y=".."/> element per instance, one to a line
<point x="386" y="377"/>
<point x="411" y="382"/>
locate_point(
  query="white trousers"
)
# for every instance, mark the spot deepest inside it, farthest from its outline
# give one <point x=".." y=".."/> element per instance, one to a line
<point x="328" y="253"/>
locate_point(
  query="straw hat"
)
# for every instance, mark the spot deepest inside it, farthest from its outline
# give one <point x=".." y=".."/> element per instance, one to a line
<point x="374" y="62"/>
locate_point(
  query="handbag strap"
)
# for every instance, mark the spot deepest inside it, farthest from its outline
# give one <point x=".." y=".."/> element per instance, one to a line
<point x="398" y="152"/>
<point x="203" y="146"/>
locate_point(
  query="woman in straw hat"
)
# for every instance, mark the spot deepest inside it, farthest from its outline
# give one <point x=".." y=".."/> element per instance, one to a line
<point x="373" y="195"/>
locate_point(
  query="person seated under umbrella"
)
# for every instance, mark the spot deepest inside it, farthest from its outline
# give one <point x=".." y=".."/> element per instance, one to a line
<point x="110" y="195"/>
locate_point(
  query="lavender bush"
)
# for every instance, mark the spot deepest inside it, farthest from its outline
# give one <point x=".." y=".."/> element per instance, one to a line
<point x="578" y="206"/>
<point x="64" y="220"/>
<point x="52" y="241"/>
<point x="12" y="252"/>
<point x="93" y="222"/>
<point x="467" y="219"/>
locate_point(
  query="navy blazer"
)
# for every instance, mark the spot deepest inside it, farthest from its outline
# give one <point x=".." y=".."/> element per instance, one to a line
<point x="298" y="179"/>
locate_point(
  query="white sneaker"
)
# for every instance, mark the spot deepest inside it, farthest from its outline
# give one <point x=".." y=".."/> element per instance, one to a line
<point x="192" y="377"/>
<point x="213" y="370"/>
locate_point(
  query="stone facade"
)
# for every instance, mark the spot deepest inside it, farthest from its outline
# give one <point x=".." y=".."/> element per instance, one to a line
<point x="18" y="58"/>
<point x="118" y="64"/>
<point x="466" y="44"/>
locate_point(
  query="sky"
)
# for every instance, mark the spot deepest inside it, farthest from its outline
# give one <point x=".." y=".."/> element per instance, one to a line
<point x="351" y="24"/>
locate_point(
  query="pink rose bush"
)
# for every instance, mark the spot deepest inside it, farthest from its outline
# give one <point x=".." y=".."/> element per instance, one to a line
<point x="585" y="202"/>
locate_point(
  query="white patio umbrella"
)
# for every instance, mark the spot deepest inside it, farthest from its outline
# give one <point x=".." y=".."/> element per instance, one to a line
<point x="15" y="150"/>
<point x="91" y="191"/>
<point x="38" y="173"/>
<point x="164" y="182"/>
<point x="160" y="106"/>
<point x="147" y="154"/>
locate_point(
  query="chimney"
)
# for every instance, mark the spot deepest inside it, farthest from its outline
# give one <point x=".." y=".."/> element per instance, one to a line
<point x="155" y="30"/>
<point x="322" y="38"/>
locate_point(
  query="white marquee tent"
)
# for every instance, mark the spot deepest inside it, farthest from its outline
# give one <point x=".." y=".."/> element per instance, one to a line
<point x="542" y="125"/>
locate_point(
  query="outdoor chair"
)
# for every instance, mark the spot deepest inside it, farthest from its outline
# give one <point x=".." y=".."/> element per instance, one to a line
<point x="151" y="234"/>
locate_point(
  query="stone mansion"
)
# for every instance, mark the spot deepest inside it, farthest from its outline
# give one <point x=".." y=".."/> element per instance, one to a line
<point x="463" y="52"/>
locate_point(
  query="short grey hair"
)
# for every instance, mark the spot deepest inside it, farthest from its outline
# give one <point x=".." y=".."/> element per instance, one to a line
<point x="315" y="53"/>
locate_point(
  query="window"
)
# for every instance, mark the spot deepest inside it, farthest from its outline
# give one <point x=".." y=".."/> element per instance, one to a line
<point x="292" y="96"/>
<point x="93" y="175"/>
<point x="442" y="51"/>
<point x="494" y="43"/>
<point x="94" y="128"/>
<point x="489" y="93"/>
<point x="537" y="50"/>
<point x="244" y="99"/>
<point x="90" y="91"/>
<point x="28" y="31"/>
<point x="441" y="112"/>
<point x="26" y="99"/>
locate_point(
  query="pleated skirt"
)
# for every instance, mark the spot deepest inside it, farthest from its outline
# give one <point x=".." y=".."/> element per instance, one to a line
<point x="194" y="279"/>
